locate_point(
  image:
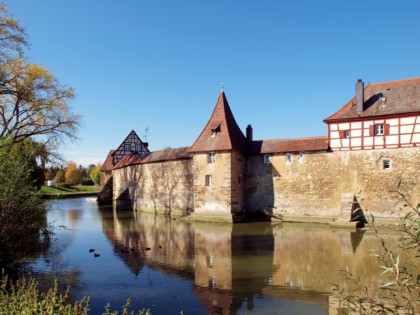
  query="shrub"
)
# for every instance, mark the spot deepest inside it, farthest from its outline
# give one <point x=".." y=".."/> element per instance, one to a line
<point x="400" y="290"/>
<point x="23" y="297"/>
<point x="23" y="220"/>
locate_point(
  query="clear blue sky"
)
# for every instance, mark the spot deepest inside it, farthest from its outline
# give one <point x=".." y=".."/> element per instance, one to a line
<point x="286" y="65"/>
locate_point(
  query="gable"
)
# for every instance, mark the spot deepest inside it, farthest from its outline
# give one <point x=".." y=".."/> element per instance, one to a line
<point x="132" y="143"/>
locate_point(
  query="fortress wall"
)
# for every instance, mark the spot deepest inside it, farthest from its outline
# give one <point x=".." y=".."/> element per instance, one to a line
<point x="314" y="183"/>
<point x="214" y="199"/>
<point x="157" y="186"/>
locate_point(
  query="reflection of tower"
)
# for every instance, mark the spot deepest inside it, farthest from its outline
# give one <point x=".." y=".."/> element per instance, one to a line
<point x="233" y="264"/>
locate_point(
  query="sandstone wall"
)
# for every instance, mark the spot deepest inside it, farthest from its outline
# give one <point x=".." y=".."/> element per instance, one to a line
<point x="315" y="183"/>
<point x="214" y="199"/>
<point x="164" y="186"/>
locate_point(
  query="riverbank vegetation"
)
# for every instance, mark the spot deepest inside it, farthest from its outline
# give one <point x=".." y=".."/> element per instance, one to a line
<point x="35" y="120"/>
<point x="399" y="292"/>
<point x="69" y="190"/>
<point x="23" y="297"/>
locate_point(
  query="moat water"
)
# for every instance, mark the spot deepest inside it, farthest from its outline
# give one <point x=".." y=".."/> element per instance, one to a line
<point x="170" y="266"/>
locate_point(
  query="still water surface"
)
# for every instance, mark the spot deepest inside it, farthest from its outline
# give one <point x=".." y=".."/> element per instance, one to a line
<point x="169" y="265"/>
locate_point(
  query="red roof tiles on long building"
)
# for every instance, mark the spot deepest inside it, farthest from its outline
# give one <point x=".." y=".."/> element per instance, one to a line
<point x="107" y="166"/>
<point x="155" y="156"/>
<point x="383" y="99"/>
<point x="289" y="145"/>
<point x="221" y="133"/>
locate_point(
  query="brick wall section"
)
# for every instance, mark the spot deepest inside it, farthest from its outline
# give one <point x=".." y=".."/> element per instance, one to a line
<point x="157" y="186"/>
<point x="315" y="183"/>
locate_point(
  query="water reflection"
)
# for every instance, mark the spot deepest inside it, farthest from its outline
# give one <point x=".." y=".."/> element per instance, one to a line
<point x="258" y="268"/>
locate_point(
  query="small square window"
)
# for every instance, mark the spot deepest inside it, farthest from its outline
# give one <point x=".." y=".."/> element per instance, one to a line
<point x="347" y="134"/>
<point x="212" y="157"/>
<point x="288" y="157"/>
<point x="267" y="159"/>
<point x="386" y="165"/>
<point x="127" y="147"/>
<point x="209" y="180"/>
<point x="379" y="130"/>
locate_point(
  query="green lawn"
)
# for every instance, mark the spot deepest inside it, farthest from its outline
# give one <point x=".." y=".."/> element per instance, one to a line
<point x="68" y="191"/>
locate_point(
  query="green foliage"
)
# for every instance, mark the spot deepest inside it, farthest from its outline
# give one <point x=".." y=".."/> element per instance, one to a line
<point x="22" y="211"/>
<point x="95" y="174"/>
<point x="399" y="292"/>
<point x="23" y="297"/>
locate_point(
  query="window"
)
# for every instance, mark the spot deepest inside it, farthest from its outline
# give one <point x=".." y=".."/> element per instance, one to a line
<point x="138" y="147"/>
<point x="347" y="134"/>
<point x="212" y="157"/>
<point x="301" y="156"/>
<point x="288" y="157"/>
<point x="213" y="133"/>
<point x="267" y="159"/>
<point x="127" y="147"/>
<point x="209" y="180"/>
<point x="386" y="165"/>
<point x="379" y="130"/>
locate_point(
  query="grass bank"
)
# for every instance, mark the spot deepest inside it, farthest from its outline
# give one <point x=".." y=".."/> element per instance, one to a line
<point x="71" y="191"/>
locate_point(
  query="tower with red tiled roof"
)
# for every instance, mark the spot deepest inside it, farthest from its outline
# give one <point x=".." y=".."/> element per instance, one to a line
<point x="219" y="165"/>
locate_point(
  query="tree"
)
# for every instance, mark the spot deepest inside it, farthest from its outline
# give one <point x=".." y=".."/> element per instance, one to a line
<point x="95" y="174"/>
<point x="73" y="175"/>
<point x="60" y="176"/>
<point x="33" y="103"/>
<point x="22" y="211"/>
<point x="12" y="36"/>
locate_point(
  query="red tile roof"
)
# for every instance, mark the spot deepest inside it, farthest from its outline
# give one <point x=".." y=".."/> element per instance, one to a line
<point x="107" y="166"/>
<point x="402" y="97"/>
<point x="155" y="156"/>
<point x="228" y="134"/>
<point x="289" y="145"/>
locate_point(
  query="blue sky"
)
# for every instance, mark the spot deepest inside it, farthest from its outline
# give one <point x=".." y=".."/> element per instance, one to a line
<point x="285" y="65"/>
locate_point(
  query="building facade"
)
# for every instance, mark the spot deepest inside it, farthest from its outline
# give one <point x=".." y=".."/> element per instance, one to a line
<point x="372" y="149"/>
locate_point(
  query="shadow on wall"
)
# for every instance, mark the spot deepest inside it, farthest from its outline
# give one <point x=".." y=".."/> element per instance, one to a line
<point x="259" y="188"/>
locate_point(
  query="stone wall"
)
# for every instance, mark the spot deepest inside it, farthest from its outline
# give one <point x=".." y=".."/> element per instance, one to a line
<point x="314" y="183"/>
<point x="214" y="199"/>
<point x="311" y="184"/>
<point x="166" y="186"/>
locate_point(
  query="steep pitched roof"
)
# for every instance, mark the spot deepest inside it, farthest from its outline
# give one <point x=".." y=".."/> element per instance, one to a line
<point x="401" y="97"/>
<point x="226" y="133"/>
<point x="155" y="156"/>
<point x="289" y="145"/>
<point x="107" y="166"/>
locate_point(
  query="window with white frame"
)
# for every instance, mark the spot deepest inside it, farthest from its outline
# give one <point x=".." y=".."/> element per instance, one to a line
<point x="347" y="134"/>
<point x="288" y="157"/>
<point x="209" y="180"/>
<point x="379" y="130"/>
<point x="212" y="157"/>
<point x="267" y="158"/>
<point x="127" y="147"/>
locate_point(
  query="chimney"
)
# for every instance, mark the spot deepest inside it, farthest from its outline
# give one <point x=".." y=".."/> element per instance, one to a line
<point x="360" y="98"/>
<point x="249" y="133"/>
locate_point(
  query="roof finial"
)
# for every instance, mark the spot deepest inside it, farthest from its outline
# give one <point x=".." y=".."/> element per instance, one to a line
<point x="221" y="83"/>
